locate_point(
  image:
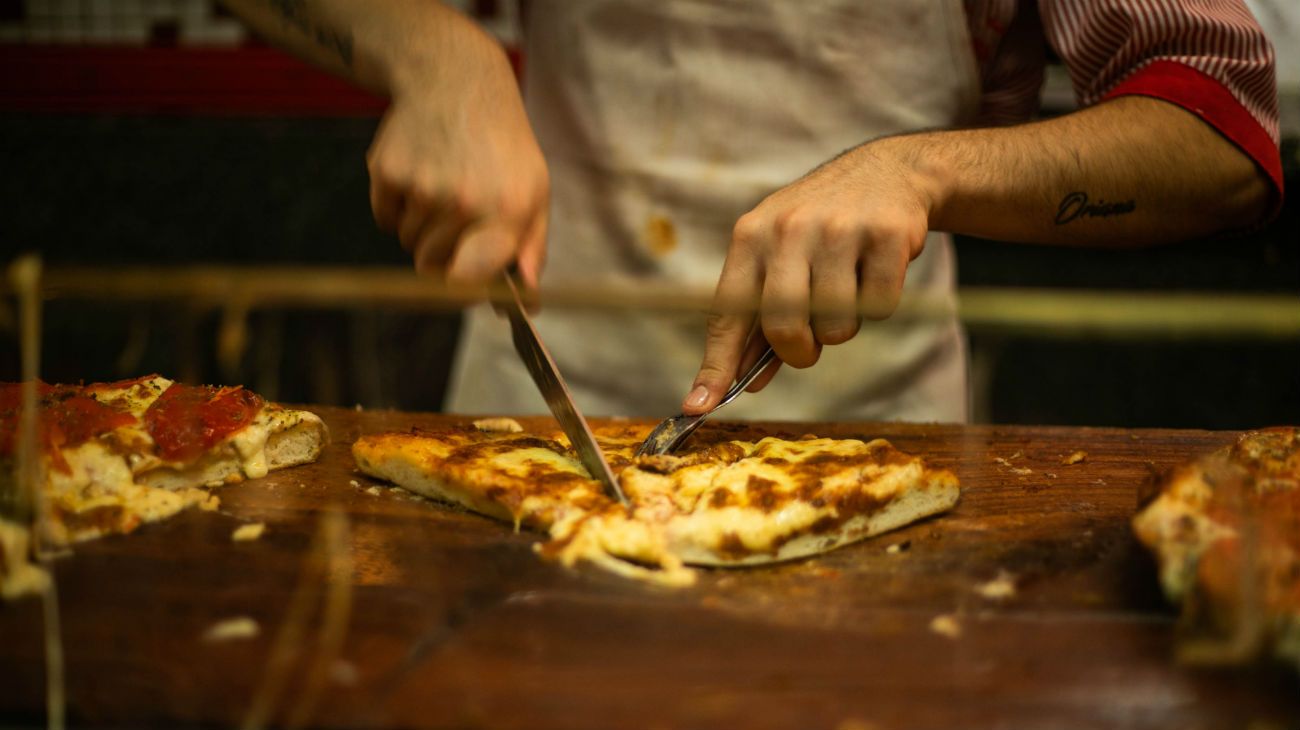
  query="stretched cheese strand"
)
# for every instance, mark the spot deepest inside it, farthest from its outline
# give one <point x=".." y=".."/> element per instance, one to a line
<point x="25" y="275"/>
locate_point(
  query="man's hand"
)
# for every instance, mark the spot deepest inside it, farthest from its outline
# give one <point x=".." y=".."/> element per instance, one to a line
<point x="455" y="170"/>
<point x="457" y="174"/>
<point x="812" y="256"/>
<point x="1129" y="171"/>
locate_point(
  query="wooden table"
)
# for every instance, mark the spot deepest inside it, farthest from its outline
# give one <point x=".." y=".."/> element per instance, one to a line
<point x="456" y="623"/>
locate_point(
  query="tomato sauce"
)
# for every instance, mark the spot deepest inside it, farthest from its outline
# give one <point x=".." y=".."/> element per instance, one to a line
<point x="187" y="420"/>
<point x="67" y="419"/>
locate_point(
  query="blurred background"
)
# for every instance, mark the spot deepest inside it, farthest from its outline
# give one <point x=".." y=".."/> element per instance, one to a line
<point x="160" y="133"/>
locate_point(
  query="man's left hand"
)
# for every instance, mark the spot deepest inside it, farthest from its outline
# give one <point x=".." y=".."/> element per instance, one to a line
<point x="809" y="260"/>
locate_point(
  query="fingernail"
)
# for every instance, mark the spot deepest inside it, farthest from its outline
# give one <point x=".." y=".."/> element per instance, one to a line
<point x="698" y="397"/>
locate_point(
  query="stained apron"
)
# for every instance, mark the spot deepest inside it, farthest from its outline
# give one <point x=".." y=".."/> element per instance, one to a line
<point x="662" y="123"/>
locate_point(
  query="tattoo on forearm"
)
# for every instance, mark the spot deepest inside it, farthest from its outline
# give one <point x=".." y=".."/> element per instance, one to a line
<point x="295" y="13"/>
<point x="1076" y="205"/>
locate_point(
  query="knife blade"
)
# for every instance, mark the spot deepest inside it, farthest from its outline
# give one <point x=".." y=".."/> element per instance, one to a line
<point x="541" y="366"/>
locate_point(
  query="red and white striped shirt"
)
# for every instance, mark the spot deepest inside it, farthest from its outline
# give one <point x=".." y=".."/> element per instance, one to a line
<point x="1208" y="56"/>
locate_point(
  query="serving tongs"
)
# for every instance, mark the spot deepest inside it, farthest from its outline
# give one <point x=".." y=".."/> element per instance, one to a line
<point x="672" y="431"/>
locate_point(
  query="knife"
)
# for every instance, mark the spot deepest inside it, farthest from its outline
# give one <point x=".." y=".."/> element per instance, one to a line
<point x="558" y="398"/>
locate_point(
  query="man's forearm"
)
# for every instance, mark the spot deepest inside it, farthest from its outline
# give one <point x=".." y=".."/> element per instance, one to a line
<point x="379" y="45"/>
<point x="1130" y="171"/>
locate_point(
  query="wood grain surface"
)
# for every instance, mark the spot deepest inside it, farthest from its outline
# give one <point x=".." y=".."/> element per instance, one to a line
<point x="455" y="622"/>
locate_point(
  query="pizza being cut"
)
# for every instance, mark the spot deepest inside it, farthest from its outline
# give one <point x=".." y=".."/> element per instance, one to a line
<point x="731" y="503"/>
<point x="1225" y="531"/>
<point x="116" y="455"/>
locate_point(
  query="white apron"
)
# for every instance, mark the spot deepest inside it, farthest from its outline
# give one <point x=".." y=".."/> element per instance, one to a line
<point x="662" y="123"/>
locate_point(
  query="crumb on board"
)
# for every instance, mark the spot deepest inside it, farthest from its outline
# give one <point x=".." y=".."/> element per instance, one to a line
<point x="251" y="531"/>
<point x="899" y="547"/>
<point x="354" y="482"/>
<point x="498" y="425"/>
<point x="1074" y="458"/>
<point x="1020" y="470"/>
<point x="210" y="503"/>
<point x="946" y="624"/>
<point x="374" y="491"/>
<point x="344" y="673"/>
<point x="1000" y="588"/>
<point x="239" y="627"/>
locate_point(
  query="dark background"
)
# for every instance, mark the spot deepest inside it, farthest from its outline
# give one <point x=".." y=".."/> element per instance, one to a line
<point x="119" y="190"/>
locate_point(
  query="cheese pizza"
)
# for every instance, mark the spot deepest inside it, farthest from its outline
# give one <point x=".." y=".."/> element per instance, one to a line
<point x="729" y="503"/>
<point x="1225" y="530"/>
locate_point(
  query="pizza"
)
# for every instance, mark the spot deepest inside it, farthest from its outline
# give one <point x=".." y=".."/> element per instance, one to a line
<point x="1225" y="531"/>
<point x="117" y="455"/>
<point x="725" y="503"/>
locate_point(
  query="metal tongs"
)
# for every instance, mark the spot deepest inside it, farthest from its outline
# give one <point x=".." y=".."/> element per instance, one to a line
<point x="672" y="431"/>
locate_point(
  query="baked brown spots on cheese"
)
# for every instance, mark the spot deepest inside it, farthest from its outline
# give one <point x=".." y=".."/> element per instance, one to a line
<point x="719" y="503"/>
<point x="732" y="546"/>
<point x="762" y="493"/>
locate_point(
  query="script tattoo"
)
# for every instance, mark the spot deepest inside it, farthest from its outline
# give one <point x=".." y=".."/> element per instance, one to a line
<point x="295" y="13"/>
<point x="1076" y="205"/>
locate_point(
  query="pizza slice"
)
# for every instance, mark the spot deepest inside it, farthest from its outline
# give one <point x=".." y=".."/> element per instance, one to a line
<point x="1225" y="531"/>
<point x="116" y="455"/>
<point x="730" y="503"/>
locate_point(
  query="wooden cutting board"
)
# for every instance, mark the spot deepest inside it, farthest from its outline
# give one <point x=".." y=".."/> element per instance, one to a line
<point x="455" y="622"/>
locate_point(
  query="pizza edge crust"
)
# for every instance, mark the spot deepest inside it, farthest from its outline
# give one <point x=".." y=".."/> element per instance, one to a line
<point x="396" y="457"/>
<point x="936" y="493"/>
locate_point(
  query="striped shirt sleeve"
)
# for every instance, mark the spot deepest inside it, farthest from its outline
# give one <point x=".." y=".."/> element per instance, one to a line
<point x="1208" y="56"/>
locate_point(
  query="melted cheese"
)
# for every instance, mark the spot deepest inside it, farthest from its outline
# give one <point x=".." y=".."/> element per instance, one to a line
<point x="18" y="575"/>
<point x="250" y="444"/>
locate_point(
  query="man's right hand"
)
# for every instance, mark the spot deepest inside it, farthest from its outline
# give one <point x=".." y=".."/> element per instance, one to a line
<point x="456" y="173"/>
<point x="455" y="170"/>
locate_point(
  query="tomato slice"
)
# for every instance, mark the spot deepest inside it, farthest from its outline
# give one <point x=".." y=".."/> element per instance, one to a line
<point x="187" y="420"/>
